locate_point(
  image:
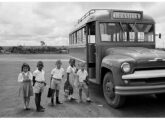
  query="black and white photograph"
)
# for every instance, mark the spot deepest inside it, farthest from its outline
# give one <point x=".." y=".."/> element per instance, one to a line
<point x="82" y="59"/>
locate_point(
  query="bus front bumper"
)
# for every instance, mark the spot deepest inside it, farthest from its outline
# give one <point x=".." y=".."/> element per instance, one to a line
<point x="139" y="90"/>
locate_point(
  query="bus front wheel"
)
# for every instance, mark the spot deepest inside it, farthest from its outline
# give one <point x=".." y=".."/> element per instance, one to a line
<point x="112" y="99"/>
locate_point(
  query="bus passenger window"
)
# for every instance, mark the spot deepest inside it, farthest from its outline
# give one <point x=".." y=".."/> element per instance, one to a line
<point x="150" y="38"/>
<point x="140" y="36"/>
<point x="79" y="37"/>
<point x="83" y="36"/>
<point x="124" y="36"/>
<point x="91" y="39"/>
<point x="118" y="38"/>
<point x="114" y="37"/>
<point x="74" y="38"/>
<point x="91" y="33"/>
<point x="131" y="36"/>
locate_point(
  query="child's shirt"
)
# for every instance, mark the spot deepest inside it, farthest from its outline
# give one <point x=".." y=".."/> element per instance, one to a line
<point x="71" y="69"/>
<point x="82" y="75"/>
<point x="57" y="73"/>
<point x="22" y="76"/>
<point x="39" y="75"/>
<point x="72" y="72"/>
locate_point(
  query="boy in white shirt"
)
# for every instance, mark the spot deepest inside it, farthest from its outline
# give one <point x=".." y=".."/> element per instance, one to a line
<point x="57" y="75"/>
<point x="83" y="82"/>
<point x="39" y="84"/>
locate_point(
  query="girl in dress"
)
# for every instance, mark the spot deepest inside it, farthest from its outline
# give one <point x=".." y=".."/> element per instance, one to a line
<point x="25" y="80"/>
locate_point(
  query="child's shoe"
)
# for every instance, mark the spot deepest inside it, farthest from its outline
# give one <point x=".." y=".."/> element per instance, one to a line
<point x="88" y="99"/>
<point x="72" y="97"/>
<point x="52" y="101"/>
<point x="40" y="110"/>
<point x="42" y="107"/>
<point x="69" y="97"/>
<point x="57" y="100"/>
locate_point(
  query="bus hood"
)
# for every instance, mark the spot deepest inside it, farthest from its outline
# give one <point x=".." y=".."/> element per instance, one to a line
<point x="138" y="53"/>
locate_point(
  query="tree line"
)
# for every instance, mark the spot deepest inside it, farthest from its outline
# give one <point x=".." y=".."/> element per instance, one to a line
<point x="35" y="49"/>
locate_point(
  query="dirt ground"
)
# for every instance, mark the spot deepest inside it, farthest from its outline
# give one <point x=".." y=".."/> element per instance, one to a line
<point x="11" y="105"/>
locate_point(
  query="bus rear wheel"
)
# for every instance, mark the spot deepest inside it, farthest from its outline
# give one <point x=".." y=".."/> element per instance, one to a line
<point x="112" y="99"/>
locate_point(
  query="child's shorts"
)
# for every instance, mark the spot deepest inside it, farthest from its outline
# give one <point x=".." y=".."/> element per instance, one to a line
<point x="82" y="85"/>
<point x="38" y="87"/>
<point x="56" y="84"/>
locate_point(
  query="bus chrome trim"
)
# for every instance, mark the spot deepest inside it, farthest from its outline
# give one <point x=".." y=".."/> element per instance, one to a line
<point x="93" y="80"/>
<point x="145" y="74"/>
<point x="156" y="59"/>
<point x="139" y="90"/>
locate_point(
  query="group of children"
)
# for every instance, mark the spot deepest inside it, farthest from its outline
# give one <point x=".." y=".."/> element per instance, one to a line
<point x="34" y="83"/>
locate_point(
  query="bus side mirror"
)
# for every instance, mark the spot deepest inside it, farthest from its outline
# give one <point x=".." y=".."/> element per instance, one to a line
<point x="160" y="35"/>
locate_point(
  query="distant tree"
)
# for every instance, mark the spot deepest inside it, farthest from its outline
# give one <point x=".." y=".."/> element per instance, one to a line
<point x="42" y="43"/>
<point x="1" y="49"/>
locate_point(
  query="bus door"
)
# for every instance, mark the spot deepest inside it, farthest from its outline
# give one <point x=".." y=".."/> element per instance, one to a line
<point x="91" y="50"/>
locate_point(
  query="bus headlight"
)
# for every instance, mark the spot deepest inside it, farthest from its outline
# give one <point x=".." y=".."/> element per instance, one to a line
<point x="126" y="67"/>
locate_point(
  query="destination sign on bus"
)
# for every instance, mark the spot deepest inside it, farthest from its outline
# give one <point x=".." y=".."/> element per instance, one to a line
<point x="127" y="15"/>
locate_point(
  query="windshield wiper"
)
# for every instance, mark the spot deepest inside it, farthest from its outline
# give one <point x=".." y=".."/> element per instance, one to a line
<point x="121" y="26"/>
<point x="133" y="27"/>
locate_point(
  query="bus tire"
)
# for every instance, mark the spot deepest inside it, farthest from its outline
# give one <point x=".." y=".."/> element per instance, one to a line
<point x="112" y="99"/>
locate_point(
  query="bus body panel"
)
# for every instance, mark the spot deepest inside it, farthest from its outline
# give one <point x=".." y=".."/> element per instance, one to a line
<point x="79" y="53"/>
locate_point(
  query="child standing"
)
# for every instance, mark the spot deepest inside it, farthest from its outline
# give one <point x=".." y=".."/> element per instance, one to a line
<point x="57" y="75"/>
<point x="25" y="78"/>
<point x="39" y="84"/>
<point x="83" y="82"/>
<point x="71" y="77"/>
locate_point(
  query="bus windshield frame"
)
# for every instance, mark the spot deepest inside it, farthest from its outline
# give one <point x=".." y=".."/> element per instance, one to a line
<point x="126" y="32"/>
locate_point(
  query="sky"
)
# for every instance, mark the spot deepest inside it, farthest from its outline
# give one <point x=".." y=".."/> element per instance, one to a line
<point x="28" y="23"/>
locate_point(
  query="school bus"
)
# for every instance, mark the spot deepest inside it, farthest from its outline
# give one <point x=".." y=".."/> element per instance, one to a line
<point x="118" y="47"/>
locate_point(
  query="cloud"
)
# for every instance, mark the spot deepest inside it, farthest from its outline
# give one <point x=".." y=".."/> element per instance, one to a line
<point x="29" y="23"/>
<point x="38" y="21"/>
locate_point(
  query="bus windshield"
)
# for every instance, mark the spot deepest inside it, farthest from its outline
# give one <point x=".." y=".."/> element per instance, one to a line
<point x="127" y="32"/>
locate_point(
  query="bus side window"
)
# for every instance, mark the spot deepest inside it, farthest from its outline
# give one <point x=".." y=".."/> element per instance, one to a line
<point x="78" y="37"/>
<point x="91" y="33"/>
<point x="74" y="38"/>
<point x="84" y="36"/>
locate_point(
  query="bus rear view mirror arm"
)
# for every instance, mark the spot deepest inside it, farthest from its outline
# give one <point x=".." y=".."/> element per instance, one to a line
<point x="159" y="35"/>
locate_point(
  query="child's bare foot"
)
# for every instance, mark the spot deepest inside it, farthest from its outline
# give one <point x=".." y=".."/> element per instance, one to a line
<point x="24" y="107"/>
